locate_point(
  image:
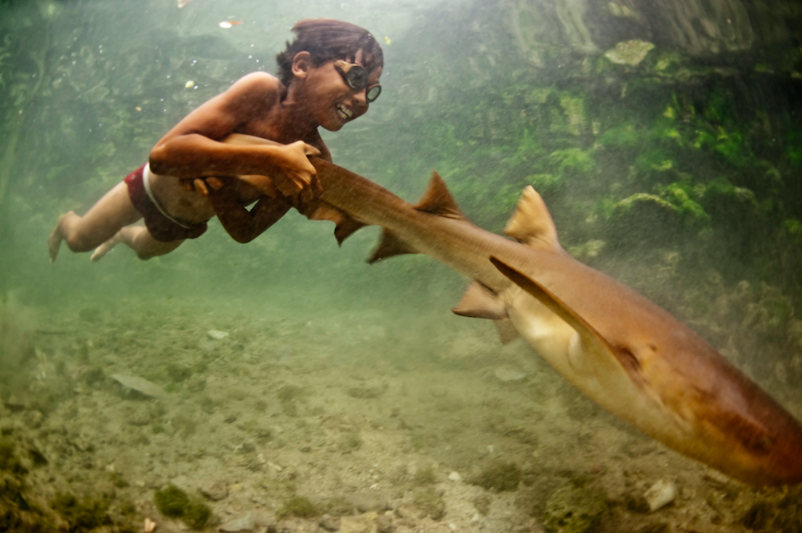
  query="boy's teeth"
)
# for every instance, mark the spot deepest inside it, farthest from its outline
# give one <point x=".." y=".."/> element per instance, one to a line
<point x="344" y="112"/>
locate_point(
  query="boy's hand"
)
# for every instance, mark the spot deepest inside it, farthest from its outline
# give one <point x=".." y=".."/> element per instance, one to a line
<point x="297" y="176"/>
<point x="201" y="185"/>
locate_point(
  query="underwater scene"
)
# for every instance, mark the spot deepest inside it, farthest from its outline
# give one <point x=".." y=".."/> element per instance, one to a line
<point x="594" y="322"/>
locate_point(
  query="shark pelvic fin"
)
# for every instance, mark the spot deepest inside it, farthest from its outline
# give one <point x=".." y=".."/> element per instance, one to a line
<point x="480" y="302"/>
<point x="590" y="337"/>
<point x="531" y="224"/>
<point x="345" y="226"/>
<point x="506" y="331"/>
<point x="389" y="245"/>
<point x="437" y="200"/>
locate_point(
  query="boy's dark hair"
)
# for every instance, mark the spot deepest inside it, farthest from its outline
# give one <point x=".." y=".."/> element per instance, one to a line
<point x="329" y="40"/>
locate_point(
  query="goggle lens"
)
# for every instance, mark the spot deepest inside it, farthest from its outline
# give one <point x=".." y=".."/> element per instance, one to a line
<point x="373" y="93"/>
<point x="356" y="77"/>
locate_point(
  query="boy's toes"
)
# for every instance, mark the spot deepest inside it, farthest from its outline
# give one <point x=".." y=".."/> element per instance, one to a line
<point x="54" y="243"/>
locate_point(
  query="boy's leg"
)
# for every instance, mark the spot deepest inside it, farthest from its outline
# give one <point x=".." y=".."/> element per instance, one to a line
<point x="99" y="224"/>
<point x="139" y="239"/>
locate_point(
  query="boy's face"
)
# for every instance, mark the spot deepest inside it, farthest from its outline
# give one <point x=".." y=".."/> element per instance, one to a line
<point x="330" y="100"/>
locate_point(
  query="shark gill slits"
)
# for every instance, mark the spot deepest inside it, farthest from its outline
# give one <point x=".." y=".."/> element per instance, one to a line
<point x="628" y="359"/>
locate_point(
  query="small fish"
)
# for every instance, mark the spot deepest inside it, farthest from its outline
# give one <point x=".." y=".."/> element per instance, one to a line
<point x="182" y="3"/>
<point x="230" y="23"/>
<point x="387" y="40"/>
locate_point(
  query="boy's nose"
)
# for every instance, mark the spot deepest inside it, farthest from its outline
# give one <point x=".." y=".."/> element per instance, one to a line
<point x="361" y="97"/>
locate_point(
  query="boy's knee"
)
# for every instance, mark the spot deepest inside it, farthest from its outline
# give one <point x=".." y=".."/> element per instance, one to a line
<point x="79" y="243"/>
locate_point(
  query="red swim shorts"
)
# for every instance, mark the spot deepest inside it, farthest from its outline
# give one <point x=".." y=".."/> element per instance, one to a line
<point x="160" y="227"/>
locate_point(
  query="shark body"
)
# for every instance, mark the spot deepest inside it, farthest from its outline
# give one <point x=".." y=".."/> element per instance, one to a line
<point x="620" y="349"/>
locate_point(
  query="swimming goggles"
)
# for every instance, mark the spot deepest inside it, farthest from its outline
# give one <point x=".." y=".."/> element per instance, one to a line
<point x="356" y="77"/>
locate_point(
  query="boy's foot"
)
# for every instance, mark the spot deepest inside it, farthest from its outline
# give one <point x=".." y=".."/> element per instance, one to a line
<point x="105" y="248"/>
<point x="54" y="241"/>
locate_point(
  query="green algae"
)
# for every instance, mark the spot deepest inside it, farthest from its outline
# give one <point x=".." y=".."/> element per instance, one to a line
<point x="574" y="509"/>
<point x="82" y="514"/>
<point x="298" y="506"/>
<point x="499" y="476"/>
<point x="173" y="502"/>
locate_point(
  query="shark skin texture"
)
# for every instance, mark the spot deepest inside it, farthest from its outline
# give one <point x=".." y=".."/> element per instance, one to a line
<point x="621" y="350"/>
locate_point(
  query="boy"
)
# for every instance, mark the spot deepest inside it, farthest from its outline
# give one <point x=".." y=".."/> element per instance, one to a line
<point x="328" y="76"/>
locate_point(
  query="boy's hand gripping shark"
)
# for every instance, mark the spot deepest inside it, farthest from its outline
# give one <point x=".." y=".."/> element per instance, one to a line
<point x="620" y="349"/>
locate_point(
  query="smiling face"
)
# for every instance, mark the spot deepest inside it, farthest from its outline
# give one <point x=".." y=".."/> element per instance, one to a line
<point x="326" y="96"/>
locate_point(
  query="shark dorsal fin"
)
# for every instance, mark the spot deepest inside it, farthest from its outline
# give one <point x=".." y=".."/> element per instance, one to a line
<point x="389" y="245"/>
<point x="480" y="302"/>
<point x="531" y="224"/>
<point x="437" y="200"/>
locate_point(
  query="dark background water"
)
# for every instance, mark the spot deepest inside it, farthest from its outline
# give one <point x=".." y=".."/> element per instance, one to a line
<point x="665" y="138"/>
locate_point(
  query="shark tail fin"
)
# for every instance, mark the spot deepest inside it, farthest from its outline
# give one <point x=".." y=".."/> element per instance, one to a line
<point x="531" y="223"/>
<point x="437" y="200"/>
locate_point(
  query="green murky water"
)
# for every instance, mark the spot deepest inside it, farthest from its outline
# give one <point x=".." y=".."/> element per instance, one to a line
<point x="303" y="386"/>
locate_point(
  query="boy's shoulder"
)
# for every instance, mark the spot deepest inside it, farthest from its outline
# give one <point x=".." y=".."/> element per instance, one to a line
<point x="259" y="80"/>
<point x="254" y="87"/>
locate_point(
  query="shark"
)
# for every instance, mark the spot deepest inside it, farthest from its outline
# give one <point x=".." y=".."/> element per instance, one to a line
<point x="621" y="350"/>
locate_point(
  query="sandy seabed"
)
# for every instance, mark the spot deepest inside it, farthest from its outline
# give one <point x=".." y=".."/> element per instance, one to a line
<point x="347" y="418"/>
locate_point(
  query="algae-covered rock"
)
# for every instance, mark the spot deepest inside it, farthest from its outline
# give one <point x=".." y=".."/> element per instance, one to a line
<point x="430" y="502"/>
<point x="573" y="509"/>
<point x="175" y="503"/>
<point x="82" y="514"/>
<point x="629" y="52"/>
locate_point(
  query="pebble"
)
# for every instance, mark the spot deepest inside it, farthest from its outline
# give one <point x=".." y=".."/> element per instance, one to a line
<point x="214" y="491"/>
<point x="365" y="503"/>
<point x="384" y="523"/>
<point x="660" y="494"/>
<point x="508" y="373"/>
<point x="217" y="334"/>
<point x="244" y="522"/>
<point x="140" y="385"/>
<point x="454" y="476"/>
<point x="330" y="523"/>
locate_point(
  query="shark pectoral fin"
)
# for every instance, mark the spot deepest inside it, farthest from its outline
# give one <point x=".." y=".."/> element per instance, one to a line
<point x="389" y="245"/>
<point x="506" y="331"/>
<point x="531" y="223"/>
<point x="588" y="335"/>
<point x="437" y="200"/>
<point x="480" y="302"/>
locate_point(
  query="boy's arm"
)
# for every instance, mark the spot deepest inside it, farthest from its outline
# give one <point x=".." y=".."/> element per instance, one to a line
<point x="193" y="149"/>
<point x="244" y="225"/>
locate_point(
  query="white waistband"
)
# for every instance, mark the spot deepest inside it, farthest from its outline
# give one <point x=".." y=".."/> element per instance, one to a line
<point x="146" y="183"/>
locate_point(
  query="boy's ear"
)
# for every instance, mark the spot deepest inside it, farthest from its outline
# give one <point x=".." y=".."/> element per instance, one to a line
<point x="301" y="64"/>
